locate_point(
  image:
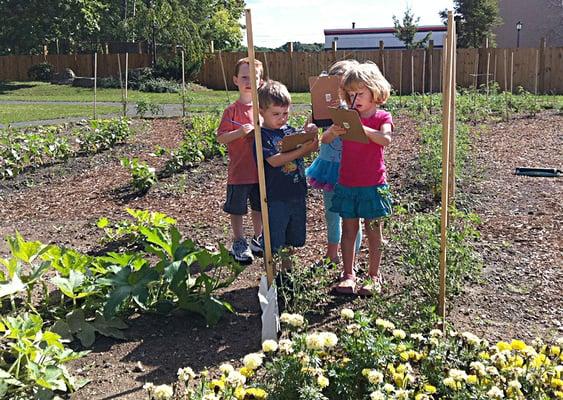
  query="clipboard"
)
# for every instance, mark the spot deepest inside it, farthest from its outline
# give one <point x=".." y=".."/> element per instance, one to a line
<point x="324" y="94"/>
<point x="295" y="140"/>
<point x="350" y="120"/>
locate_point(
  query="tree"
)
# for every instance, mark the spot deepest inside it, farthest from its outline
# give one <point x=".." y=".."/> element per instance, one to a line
<point x="475" y="21"/>
<point x="407" y="31"/>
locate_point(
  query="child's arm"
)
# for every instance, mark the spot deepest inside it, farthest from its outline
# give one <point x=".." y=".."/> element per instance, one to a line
<point x="227" y="137"/>
<point x="277" y="160"/>
<point x="381" y="137"/>
<point x="332" y="133"/>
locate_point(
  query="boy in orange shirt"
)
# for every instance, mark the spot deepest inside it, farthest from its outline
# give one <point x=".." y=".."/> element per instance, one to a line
<point x="242" y="181"/>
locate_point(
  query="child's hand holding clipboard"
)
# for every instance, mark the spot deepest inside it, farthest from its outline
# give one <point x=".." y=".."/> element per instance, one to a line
<point x="349" y="120"/>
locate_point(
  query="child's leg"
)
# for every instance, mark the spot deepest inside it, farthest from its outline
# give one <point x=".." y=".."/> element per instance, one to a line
<point x="349" y="232"/>
<point x="374" y="232"/>
<point x="255" y="206"/>
<point x="333" y="227"/>
<point x="256" y="222"/>
<point x="358" y="243"/>
<point x="237" y="225"/>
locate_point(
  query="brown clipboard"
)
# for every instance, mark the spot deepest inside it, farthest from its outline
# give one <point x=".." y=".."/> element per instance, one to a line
<point x="349" y="120"/>
<point x="324" y="94"/>
<point x="295" y="140"/>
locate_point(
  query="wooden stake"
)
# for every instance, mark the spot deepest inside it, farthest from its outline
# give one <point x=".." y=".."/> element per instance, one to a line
<point x="268" y="261"/>
<point x="183" y="86"/>
<point x="224" y="76"/>
<point x="511" y="71"/>
<point x="412" y="72"/>
<point x="95" y="81"/>
<point x="446" y="126"/>
<point x="126" y="84"/>
<point x="401" y="79"/>
<point x="504" y="67"/>
<point x="423" y="72"/>
<point x="121" y="80"/>
<point x="452" y="141"/>
<point x="267" y="67"/>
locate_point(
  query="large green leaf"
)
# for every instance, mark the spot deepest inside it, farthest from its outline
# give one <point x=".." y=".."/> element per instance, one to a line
<point x="25" y="251"/>
<point x="12" y="287"/>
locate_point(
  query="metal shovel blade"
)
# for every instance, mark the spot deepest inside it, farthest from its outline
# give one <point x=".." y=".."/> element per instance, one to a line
<point x="268" y="298"/>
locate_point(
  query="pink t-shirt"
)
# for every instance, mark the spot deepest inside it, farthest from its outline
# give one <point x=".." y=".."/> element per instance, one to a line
<point x="363" y="164"/>
<point x="242" y="165"/>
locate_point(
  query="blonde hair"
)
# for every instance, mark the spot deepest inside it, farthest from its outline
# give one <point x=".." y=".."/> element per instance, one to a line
<point x="257" y="65"/>
<point x="368" y="75"/>
<point x="341" y="67"/>
<point x="273" y="93"/>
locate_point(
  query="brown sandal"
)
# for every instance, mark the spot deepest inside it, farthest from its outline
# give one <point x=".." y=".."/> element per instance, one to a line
<point x="372" y="285"/>
<point x="346" y="284"/>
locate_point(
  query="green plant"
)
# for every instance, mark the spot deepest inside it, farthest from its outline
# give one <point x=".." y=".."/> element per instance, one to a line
<point x="145" y="106"/>
<point x="32" y="360"/>
<point x="100" y="135"/>
<point x="159" y="85"/>
<point x="41" y="72"/>
<point x="418" y="237"/>
<point x="143" y="175"/>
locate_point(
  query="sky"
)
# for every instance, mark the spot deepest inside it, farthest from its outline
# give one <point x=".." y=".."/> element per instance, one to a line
<point x="276" y="22"/>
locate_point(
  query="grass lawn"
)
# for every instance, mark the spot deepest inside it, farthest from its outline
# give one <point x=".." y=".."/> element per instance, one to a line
<point x="41" y="91"/>
<point x="10" y="113"/>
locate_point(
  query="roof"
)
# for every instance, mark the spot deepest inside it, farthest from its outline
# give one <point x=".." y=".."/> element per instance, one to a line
<point x="356" y="31"/>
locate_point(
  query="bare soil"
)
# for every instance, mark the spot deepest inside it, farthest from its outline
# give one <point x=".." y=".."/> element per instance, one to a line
<point x="518" y="295"/>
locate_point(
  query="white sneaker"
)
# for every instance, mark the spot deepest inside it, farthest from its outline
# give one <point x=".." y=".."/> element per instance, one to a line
<point x="241" y="252"/>
<point x="257" y="246"/>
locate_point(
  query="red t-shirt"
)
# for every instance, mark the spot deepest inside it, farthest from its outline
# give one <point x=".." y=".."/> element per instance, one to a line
<point x="363" y="164"/>
<point x="242" y="165"/>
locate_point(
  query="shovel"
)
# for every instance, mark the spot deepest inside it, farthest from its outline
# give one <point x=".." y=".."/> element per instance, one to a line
<point x="267" y="292"/>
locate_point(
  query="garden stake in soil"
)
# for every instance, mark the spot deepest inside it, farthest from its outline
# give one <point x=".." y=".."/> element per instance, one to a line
<point x="224" y="77"/>
<point x="267" y="293"/>
<point x="95" y="79"/>
<point x="448" y="102"/>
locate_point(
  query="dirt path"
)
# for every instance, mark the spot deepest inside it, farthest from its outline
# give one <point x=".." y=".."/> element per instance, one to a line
<point x="519" y="295"/>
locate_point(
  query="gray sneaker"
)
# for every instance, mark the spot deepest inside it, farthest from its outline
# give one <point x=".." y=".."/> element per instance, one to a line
<point x="241" y="252"/>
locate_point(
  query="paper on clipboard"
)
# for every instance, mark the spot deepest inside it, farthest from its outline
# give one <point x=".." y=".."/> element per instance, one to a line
<point x="349" y="120"/>
<point x="295" y="140"/>
<point x="324" y="94"/>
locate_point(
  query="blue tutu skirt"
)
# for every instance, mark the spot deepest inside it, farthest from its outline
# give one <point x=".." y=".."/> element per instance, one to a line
<point x="323" y="174"/>
<point x="369" y="202"/>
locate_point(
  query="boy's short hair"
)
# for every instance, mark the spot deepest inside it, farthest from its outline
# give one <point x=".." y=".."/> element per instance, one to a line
<point x="368" y="75"/>
<point x="273" y="93"/>
<point x="341" y="67"/>
<point x="257" y="65"/>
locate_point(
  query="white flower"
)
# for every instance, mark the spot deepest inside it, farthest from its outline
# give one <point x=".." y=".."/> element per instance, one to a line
<point x="388" y="388"/>
<point x="374" y="377"/>
<point x="295" y="320"/>
<point x="377" y="395"/>
<point x="347" y="313"/>
<point x="478" y="367"/>
<point x="399" y="333"/>
<point x="148" y="387"/>
<point x="269" y="346"/>
<point x="495" y="393"/>
<point x="163" y="392"/>
<point x="471" y="338"/>
<point x="235" y="378"/>
<point x="402" y="394"/>
<point x="353" y="329"/>
<point x="314" y="341"/>
<point x="185" y="374"/>
<point x="436" y="333"/>
<point x="252" y="360"/>
<point x="515" y="384"/>
<point x="226" y="368"/>
<point x="328" y="339"/>
<point x="384" y="323"/>
<point x="286" y="346"/>
<point x="457" y="374"/>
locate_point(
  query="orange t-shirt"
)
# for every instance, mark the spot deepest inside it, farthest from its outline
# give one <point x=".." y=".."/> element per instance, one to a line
<point x="242" y="164"/>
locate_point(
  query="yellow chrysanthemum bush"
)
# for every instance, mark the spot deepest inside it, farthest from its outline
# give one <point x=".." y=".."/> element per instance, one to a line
<point x="369" y="358"/>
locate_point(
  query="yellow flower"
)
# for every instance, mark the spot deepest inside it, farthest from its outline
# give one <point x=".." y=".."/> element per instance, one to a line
<point x="472" y="379"/>
<point x="501" y="346"/>
<point x="402" y="368"/>
<point x="429" y="389"/>
<point x="484" y="355"/>
<point x="398" y="379"/>
<point x="322" y="381"/>
<point x="554" y="351"/>
<point x="347" y="313"/>
<point x="217" y="384"/>
<point x="255" y="394"/>
<point x="269" y="346"/>
<point x="404" y="356"/>
<point x="247" y="372"/>
<point x="401" y="348"/>
<point x="556" y="383"/>
<point x="558" y="394"/>
<point x="540" y="360"/>
<point x="240" y="393"/>
<point x="518" y="345"/>
<point x="252" y="361"/>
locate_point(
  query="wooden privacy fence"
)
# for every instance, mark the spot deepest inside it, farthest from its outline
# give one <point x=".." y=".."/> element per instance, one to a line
<point x="536" y="70"/>
<point x="14" y="68"/>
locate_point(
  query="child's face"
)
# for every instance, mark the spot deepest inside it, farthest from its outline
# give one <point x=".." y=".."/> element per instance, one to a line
<point x="242" y="80"/>
<point x="362" y="99"/>
<point x="275" y="116"/>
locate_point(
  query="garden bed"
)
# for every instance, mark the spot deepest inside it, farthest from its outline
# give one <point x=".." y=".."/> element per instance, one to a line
<point x="516" y="297"/>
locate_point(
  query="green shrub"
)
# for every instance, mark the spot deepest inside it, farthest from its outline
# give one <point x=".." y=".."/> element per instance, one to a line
<point x="41" y="72"/>
<point x="144" y="176"/>
<point x="159" y="85"/>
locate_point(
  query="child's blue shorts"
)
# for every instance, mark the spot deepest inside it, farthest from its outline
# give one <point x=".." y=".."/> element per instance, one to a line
<point x="287" y="223"/>
<point x="368" y="202"/>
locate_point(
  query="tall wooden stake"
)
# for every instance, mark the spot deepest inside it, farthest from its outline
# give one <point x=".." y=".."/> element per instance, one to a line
<point x="183" y="86"/>
<point x="224" y="76"/>
<point x="268" y="261"/>
<point x="449" y="72"/>
<point x="126" y="84"/>
<point x="95" y="82"/>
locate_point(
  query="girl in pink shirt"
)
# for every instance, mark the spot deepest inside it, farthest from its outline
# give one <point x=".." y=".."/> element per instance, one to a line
<point x="362" y="190"/>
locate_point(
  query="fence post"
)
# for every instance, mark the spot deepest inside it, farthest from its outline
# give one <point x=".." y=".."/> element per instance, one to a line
<point x="430" y="51"/>
<point x="290" y="51"/>
<point x="542" y="65"/>
<point x="488" y="70"/>
<point x="382" y="56"/>
<point x="211" y="47"/>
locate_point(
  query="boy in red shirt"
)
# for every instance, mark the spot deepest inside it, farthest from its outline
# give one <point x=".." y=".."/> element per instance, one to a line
<point x="242" y="181"/>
